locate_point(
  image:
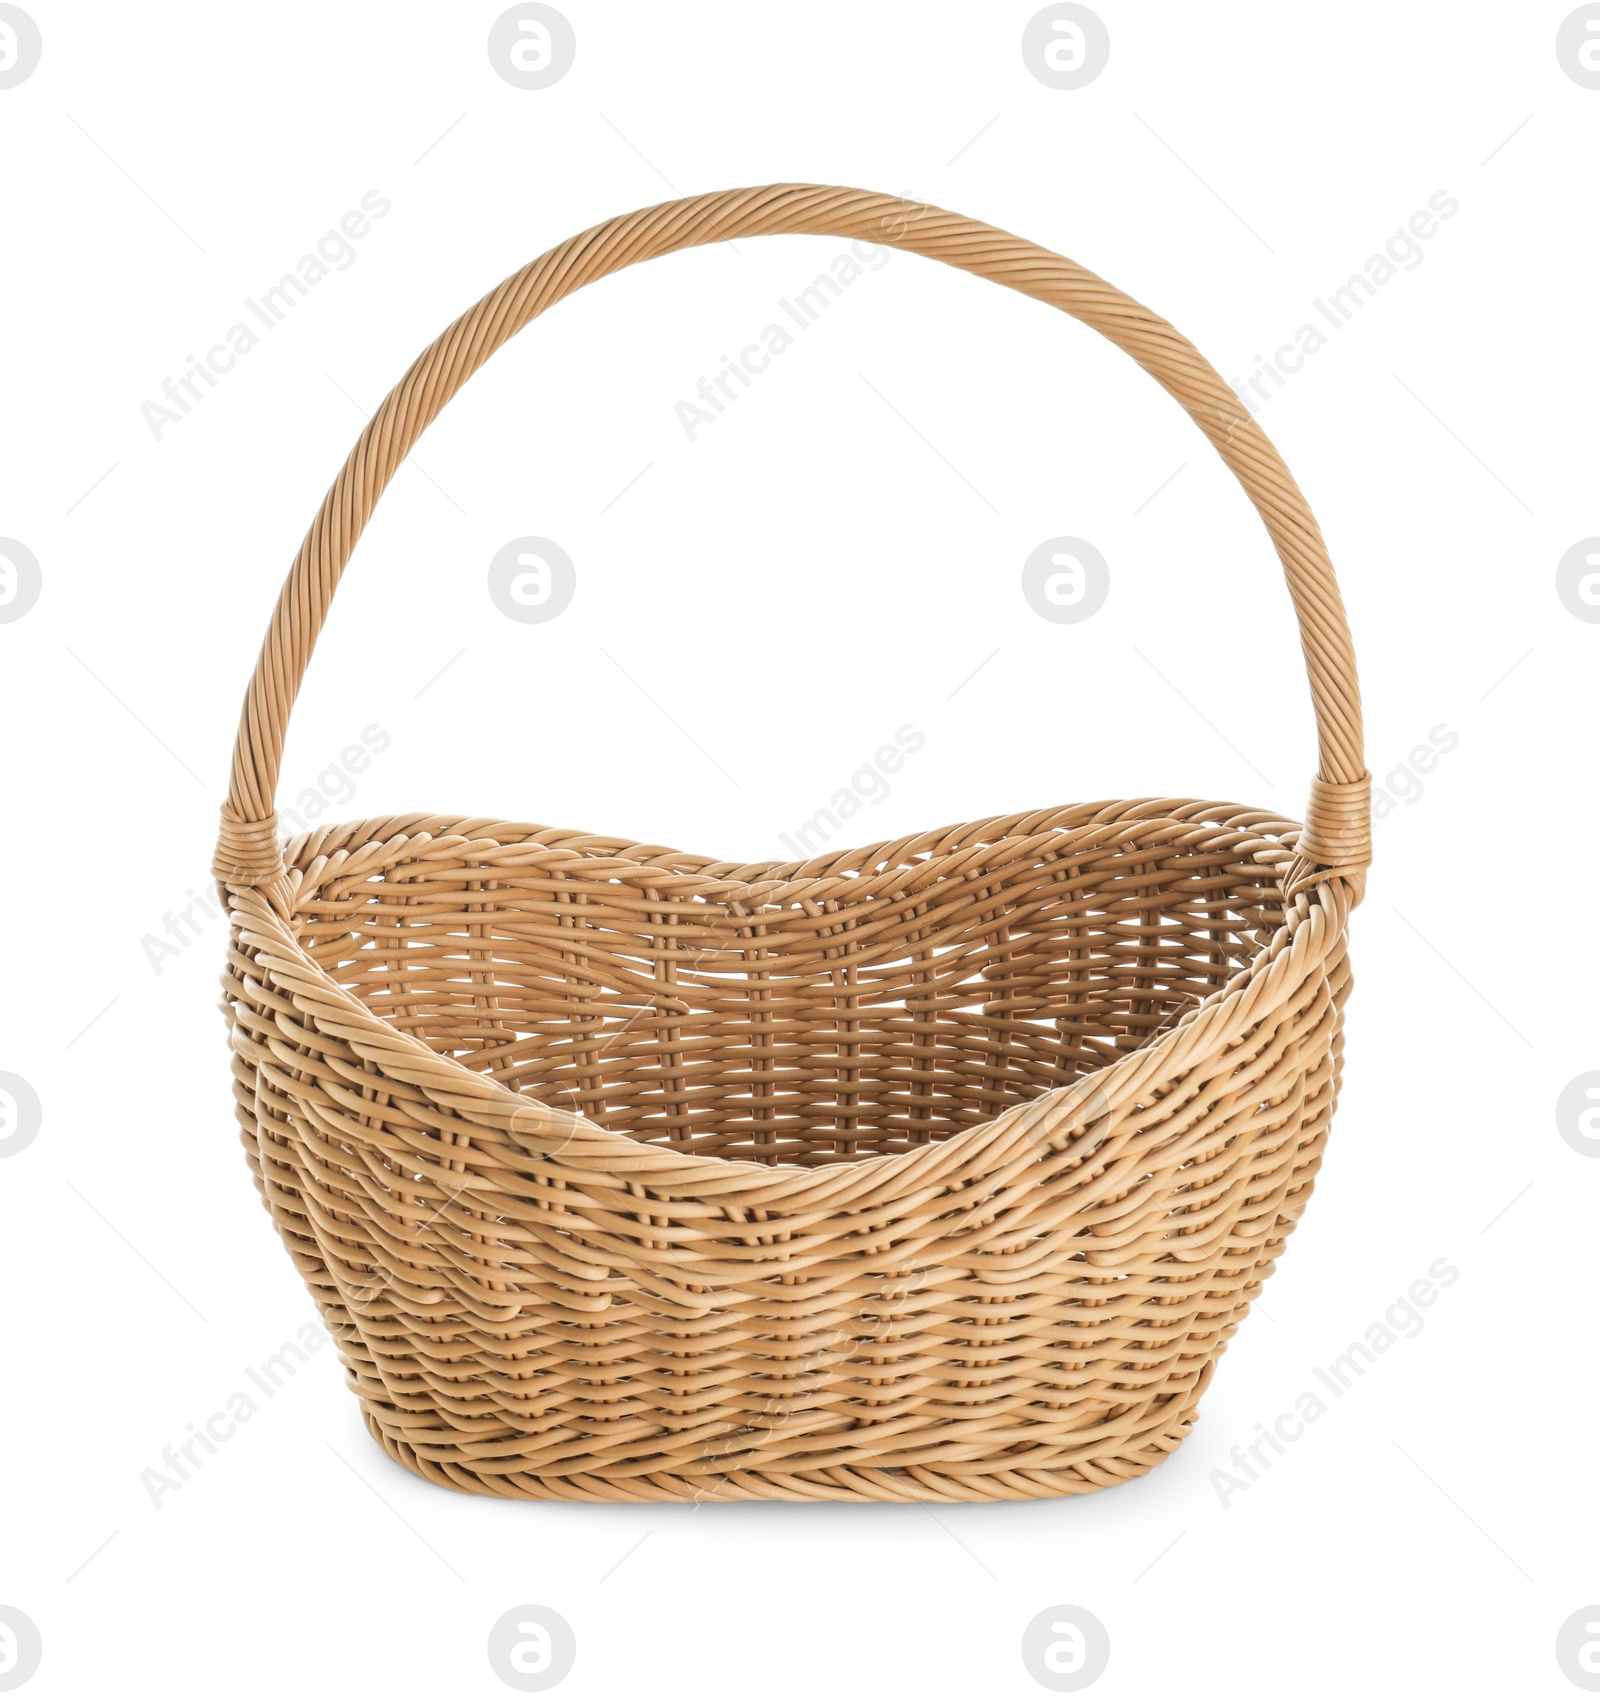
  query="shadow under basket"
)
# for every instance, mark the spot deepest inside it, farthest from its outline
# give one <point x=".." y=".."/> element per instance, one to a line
<point x="937" y="1170"/>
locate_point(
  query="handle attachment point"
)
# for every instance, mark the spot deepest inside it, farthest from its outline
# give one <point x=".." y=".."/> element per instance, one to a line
<point x="1337" y="838"/>
<point x="248" y="850"/>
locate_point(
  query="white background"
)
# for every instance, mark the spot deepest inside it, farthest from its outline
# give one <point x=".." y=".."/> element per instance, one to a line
<point x="791" y="586"/>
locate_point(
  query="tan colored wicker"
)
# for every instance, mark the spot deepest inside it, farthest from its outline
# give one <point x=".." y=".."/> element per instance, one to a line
<point x="940" y="1169"/>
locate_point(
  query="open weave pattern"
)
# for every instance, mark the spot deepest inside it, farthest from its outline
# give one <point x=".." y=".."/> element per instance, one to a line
<point x="937" y="1170"/>
<point x="1008" y="1123"/>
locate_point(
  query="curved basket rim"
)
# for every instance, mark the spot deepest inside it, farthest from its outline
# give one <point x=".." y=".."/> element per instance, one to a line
<point x="793" y="878"/>
<point x="669" y="1171"/>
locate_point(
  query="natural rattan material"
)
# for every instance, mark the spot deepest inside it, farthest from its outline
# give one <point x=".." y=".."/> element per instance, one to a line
<point x="941" y="1169"/>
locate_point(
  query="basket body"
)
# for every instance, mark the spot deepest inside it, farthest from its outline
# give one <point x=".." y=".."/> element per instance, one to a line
<point x="940" y="1170"/>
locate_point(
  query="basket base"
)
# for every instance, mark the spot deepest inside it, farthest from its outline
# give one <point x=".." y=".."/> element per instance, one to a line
<point x="978" y="1481"/>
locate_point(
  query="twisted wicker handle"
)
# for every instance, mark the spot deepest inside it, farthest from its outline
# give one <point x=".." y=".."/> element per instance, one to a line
<point x="1336" y="840"/>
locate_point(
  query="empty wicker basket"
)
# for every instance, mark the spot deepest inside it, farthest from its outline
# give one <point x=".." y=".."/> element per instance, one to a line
<point x="940" y="1170"/>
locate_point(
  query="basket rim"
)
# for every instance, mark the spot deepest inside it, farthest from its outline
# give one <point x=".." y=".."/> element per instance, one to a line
<point x="796" y="879"/>
<point x="478" y="1103"/>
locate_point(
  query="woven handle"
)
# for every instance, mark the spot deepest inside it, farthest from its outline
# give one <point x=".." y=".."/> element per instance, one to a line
<point x="1336" y="840"/>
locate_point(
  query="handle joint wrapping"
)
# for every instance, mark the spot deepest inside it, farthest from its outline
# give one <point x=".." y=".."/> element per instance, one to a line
<point x="1337" y="838"/>
<point x="249" y="851"/>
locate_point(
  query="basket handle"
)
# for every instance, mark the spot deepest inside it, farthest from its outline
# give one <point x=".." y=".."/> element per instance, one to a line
<point x="1336" y="841"/>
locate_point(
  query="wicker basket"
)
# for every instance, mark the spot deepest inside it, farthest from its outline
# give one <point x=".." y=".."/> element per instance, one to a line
<point x="937" y="1170"/>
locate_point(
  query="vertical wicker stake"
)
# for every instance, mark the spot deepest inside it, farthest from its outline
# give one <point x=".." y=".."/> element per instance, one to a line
<point x="940" y="1169"/>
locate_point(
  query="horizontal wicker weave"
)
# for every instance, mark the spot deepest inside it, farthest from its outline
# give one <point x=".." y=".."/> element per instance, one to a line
<point x="940" y="1169"/>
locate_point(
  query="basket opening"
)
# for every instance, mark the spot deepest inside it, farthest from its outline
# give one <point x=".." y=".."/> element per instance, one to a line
<point x="834" y="1011"/>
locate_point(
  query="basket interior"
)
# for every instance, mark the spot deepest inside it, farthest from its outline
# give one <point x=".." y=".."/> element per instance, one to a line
<point x="851" y="1006"/>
